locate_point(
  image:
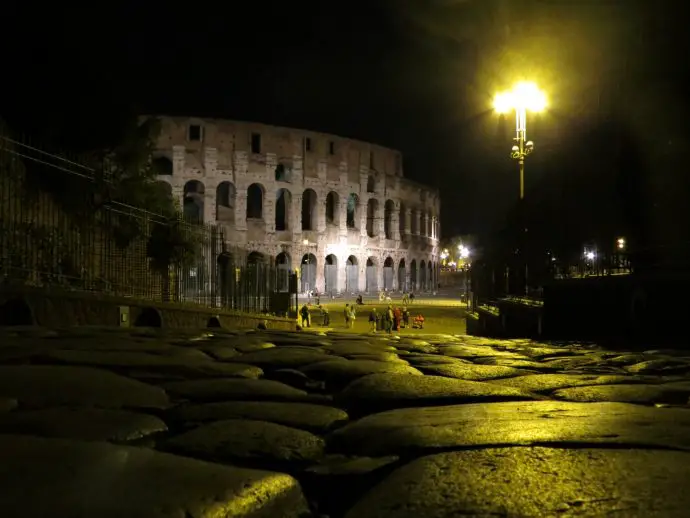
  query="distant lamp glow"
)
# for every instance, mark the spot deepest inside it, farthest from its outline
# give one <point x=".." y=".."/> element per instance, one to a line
<point x="305" y="242"/>
<point x="590" y="255"/>
<point x="620" y="243"/>
<point x="524" y="96"/>
<point x="464" y="251"/>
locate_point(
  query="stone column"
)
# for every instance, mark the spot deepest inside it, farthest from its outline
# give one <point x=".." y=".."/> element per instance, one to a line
<point x="418" y="222"/>
<point x="408" y="274"/>
<point x="269" y="212"/>
<point x="210" y="206"/>
<point x="241" y="208"/>
<point x="296" y="216"/>
<point x="425" y="224"/>
<point x="379" y="275"/>
<point x="363" y="217"/>
<point x="379" y="221"/>
<point x="178" y="161"/>
<point x="321" y="214"/>
<point x="408" y="221"/>
<point x="395" y="221"/>
<point x="320" y="254"/>
<point x="342" y="215"/>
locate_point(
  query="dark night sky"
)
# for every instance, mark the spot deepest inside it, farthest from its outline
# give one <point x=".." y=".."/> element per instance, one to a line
<point x="414" y="75"/>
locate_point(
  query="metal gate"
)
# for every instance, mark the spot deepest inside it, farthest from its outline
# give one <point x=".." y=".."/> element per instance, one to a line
<point x="308" y="278"/>
<point x="282" y="277"/>
<point x="331" y="277"/>
<point x="351" y="278"/>
<point x="372" y="284"/>
<point x="388" y="276"/>
<point x="402" y="285"/>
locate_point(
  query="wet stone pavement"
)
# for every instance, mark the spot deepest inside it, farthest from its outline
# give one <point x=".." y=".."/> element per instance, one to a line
<point x="139" y="423"/>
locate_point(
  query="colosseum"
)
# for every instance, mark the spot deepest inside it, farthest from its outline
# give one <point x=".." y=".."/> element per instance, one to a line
<point x="336" y="211"/>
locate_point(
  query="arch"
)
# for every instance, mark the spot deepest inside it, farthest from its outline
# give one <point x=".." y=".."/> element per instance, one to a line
<point x="225" y="201"/>
<point x="255" y="201"/>
<point x="149" y="317"/>
<point x="372" y="284"/>
<point x="308" y="266"/>
<point x="283" y="268"/>
<point x="353" y="211"/>
<point x="388" y="211"/>
<point x="162" y="165"/>
<point x="332" y="208"/>
<point x="371" y="183"/>
<point x="193" y="201"/>
<point x="309" y="209"/>
<point x="283" y="209"/>
<point x="330" y="270"/>
<point x="402" y="278"/>
<point x="255" y="257"/>
<point x="422" y="275"/>
<point x="413" y="275"/>
<point x="388" y="274"/>
<point x="16" y="312"/>
<point x="372" y="212"/>
<point x="351" y="274"/>
<point x="213" y="323"/>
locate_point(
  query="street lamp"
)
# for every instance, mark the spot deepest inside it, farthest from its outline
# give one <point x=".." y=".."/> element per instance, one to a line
<point x="620" y="243"/>
<point x="522" y="98"/>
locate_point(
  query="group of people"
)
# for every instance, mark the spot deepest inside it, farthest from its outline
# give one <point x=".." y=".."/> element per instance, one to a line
<point x="389" y="320"/>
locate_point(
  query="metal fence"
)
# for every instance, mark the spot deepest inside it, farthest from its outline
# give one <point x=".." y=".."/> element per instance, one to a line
<point x="58" y="228"/>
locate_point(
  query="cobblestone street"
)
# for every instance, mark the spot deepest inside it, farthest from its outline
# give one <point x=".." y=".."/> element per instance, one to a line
<point x="142" y="423"/>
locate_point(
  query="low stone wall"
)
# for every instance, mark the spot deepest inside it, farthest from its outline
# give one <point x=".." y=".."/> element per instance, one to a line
<point x="60" y="308"/>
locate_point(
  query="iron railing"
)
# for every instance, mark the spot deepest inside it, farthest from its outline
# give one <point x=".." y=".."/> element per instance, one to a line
<point x="59" y="228"/>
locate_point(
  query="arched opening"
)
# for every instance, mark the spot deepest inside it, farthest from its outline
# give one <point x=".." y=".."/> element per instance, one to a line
<point x="353" y="211"/>
<point x="388" y="274"/>
<point x="401" y="220"/>
<point x="193" y="201"/>
<point x="402" y="279"/>
<point x="372" y="284"/>
<point x="332" y="209"/>
<point x="164" y="189"/>
<point x="372" y="210"/>
<point x="149" y="317"/>
<point x="282" y="173"/>
<point x="283" y="204"/>
<point x="213" y="323"/>
<point x="422" y="275"/>
<point x="351" y="275"/>
<point x="283" y="267"/>
<point x="225" y="202"/>
<point x="16" y="312"/>
<point x="389" y="210"/>
<point x="413" y="275"/>
<point x="331" y="274"/>
<point x="309" y="210"/>
<point x="162" y="165"/>
<point x="308" y="272"/>
<point x="371" y="183"/>
<point x="255" y="201"/>
<point x="226" y="280"/>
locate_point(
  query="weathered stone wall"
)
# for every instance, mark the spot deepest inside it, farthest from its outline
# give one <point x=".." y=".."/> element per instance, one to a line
<point x="223" y="166"/>
<point x="60" y="308"/>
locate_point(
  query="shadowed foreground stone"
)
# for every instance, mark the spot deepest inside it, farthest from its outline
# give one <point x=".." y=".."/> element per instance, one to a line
<point x="471" y="372"/>
<point x="550" y="382"/>
<point x="534" y="482"/>
<point x="68" y="479"/>
<point x="316" y="418"/>
<point x="378" y="392"/>
<point x="339" y="373"/>
<point x="7" y="404"/>
<point x="281" y="358"/>
<point x="249" y="440"/>
<point x="513" y="423"/>
<point x="43" y="385"/>
<point x="88" y="424"/>
<point x="226" y="389"/>
<point x="187" y="367"/>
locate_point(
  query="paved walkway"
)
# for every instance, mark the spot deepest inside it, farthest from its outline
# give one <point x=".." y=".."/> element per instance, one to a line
<point x="137" y="423"/>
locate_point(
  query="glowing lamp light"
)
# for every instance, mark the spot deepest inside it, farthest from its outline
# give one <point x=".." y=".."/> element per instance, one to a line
<point x="620" y="243"/>
<point x="524" y="96"/>
<point x="590" y="255"/>
<point x="464" y="251"/>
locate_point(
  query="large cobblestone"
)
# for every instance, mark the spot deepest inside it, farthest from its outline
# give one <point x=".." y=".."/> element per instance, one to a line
<point x="355" y="425"/>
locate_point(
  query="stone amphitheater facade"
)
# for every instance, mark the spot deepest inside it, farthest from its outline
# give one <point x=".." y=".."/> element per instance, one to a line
<point x="337" y="211"/>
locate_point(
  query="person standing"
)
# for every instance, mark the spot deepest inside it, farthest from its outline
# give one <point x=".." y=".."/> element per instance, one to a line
<point x="389" y="320"/>
<point x="353" y="316"/>
<point x="347" y="314"/>
<point x="397" y="317"/>
<point x="373" y="317"/>
<point x="304" y="313"/>
<point x="326" y="317"/>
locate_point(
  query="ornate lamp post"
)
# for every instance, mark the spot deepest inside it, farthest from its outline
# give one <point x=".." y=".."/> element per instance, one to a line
<point x="524" y="97"/>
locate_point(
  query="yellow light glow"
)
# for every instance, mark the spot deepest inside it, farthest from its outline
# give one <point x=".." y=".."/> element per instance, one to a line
<point x="524" y="96"/>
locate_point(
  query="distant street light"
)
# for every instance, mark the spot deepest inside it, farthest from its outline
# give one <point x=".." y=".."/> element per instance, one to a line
<point x="590" y="255"/>
<point x="464" y="251"/>
<point x="620" y="243"/>
<point x="522" y="98"/>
